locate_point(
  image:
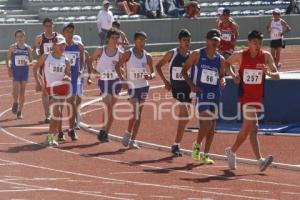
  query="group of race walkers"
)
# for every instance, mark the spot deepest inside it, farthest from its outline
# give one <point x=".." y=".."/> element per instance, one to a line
<point x="62" y="62"/>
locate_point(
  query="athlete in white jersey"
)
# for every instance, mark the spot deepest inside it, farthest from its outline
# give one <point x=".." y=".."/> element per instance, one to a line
<point x="109" y="83"/>
<point x="137" y="63"/>
<point x="277" y="27"/>
<point x="56" y="72"/>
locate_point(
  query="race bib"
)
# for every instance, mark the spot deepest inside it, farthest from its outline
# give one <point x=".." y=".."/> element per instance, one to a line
<point x="47" y="47"/>
<point x="176" y="74"/>
<point x="137" y="74"/>
<point x="252" y="76"/>
<point x="226" y="37"/>
<point x="72" y="58"/>
<point x="21" y="60"/>
<point x="54" y="68"/>
<point x="108" y="75"/>
<point x="275" y="34"/>
<point x="209" y="77"/>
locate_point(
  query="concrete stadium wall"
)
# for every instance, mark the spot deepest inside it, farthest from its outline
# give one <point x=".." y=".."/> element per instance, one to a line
<point x="281" y="101"/>
<point x="159" y="31"/>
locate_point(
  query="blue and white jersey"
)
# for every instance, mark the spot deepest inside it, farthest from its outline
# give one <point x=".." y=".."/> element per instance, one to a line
<point x="72" y="53"/>
<point x="20" y="56"/>
<point x="175" y="67"/>
<point x="205" y="75"/>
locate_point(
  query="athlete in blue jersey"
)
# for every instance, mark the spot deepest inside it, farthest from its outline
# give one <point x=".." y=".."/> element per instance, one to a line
<point x="208" y="68"/>
<point x="74" y="52"/>
<point x="179" y="87"/>
<point x="18" y="60"/>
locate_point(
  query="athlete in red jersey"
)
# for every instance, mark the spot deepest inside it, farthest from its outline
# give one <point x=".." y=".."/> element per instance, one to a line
<point x="229" y="34"/>
<point x="255" y="64"/>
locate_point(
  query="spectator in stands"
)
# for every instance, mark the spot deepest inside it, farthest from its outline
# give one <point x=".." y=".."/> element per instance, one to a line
<point x="154" y="9"/>
<point x="131" y="7"/>
<point x="122" y="41"/>
<point x="176" y="8"/>
<point x="105" y="19"/>
<point x="193" y="9"/>
<point x="293" y="8"/>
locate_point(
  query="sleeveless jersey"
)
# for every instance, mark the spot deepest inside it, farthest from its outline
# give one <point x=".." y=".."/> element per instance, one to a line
<point x="47" y="43"/>
<point x="54" y="71"/>
<point x="175" y="68"/>
<point x="276" y="30"/>
<point x="206" y="76"/>
<point x="106" y="65"/>
<point x="227" y="36"/>
<point x="251" y="87"/>
<point x="72" y="53"/>
<point x="20" y="56"/>
<point x="136" y="70"/>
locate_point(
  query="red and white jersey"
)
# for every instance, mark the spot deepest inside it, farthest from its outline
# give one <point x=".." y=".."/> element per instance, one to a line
<point x="136" y="70"/>
<point x="54" y="71"/>
<point x="106" y="65"/>
<point x="227" y="36"/>
<point x="252" y="77"/>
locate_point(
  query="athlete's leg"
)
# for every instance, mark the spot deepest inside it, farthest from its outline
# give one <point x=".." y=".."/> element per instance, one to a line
<point x="137" y="116"/>
<point x="277" y="53"/>
<point x="210" y="137"/>
<point x="254" y="139"/>
<point x="182" y="122"/>
<point x="22" y="95"/>
<point x="16" y="91"/>
<point x="71" y="111"/>
<point x="45" y="101"/>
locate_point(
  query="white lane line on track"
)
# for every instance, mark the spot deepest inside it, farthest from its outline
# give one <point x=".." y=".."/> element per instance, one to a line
<point x="23" y="190"/>
<point x="292" y="193"/>
<point x="257" y="191"/>
<point x="161" y="197"/>
<point x="241" y="196"/>
<point x="138" y="172"/>
<point x="126" y="194"/>
<point x="63" y="190"/>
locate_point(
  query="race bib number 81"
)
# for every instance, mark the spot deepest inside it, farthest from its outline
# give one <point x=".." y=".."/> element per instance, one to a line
<point x="252" y="76"/>
<point x="209" y="77"/>
<point x="21" y="60"/>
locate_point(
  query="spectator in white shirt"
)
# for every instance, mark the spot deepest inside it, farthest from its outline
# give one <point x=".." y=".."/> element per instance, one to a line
<point x="154" y="8"/>
<point x="105" y="19"/>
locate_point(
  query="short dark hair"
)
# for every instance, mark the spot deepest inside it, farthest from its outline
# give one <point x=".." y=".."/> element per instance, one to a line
<point x="19" y="31"/>
<point x="117" y="24"/>
<point x="184" y="33"/>
<point x="255" y="34"/>
<point x="139" y="34"/>
<point x="112" y="32"/>
<point x="226" y="12"/>
<point x="46" y="20"/>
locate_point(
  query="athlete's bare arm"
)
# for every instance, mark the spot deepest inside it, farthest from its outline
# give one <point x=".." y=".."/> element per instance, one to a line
<point x="96" y="55"/>
<point x="81" y="56"/>
<point x="286" y="26"/>
<point x="235" y="31"/>
<point x="30" y="53"/>
<point x="150" y="65"/>
<point x="235" y="58"/>
<point x="67" y="76"/>
<point x="123" y="59"/>
<point x="166" y="59"/>
<point x="269" y="26"/>
<point x="270" y="69"/>
<point x="36" y="45"/>
<point x="191" y="61"/>
<point x="36" y="67"/>
<point x="8" y="60"/>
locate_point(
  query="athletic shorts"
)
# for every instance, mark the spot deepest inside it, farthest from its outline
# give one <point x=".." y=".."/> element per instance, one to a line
<point x="182" y="94"/>
<point x="60" y="90"/>
<point x="20" y="73"/>
<point x="210" y="105"/>
<point x="277" y="43"/>
<point x="111" y="87"/>
<point x="138" y="93"/>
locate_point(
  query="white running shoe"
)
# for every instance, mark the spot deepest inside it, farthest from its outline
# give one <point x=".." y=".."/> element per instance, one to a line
<point x="133" y="145"/>
<point x="231" y="157"/>
<point x="126" y="139"/>
<point x="264" y="163"/>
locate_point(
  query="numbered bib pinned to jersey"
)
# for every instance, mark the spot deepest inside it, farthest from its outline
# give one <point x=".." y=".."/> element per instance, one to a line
<point x="275" y="34"/>
<point x="226" y="36"/>
<point x="21" y="60"/>
<point x="108" y="75"/>
<point x="56" y="68"/>
<point x="47" y="47"/>
<point x="176" y="74"/>
<point x="209" y="77"/>
<point x="252" y="76"/>
<point x="137" y="74"/>
<point x="72" y="57"/>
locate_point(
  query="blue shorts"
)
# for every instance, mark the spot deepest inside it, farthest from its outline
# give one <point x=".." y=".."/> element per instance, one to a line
<point x="138" y="93"/>
<point x="20" y="73"/>
<point x="79" y="91"/>
<point x="111" y="87"/>
<point x="205" y="104"/>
